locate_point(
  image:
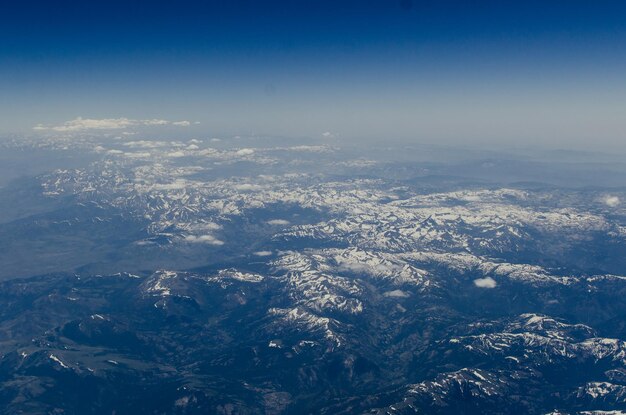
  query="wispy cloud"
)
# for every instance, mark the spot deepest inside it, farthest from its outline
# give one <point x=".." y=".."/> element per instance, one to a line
<point x="183" y="123"/>
<point x="396" y="294"/>
<point x="86" y="124"/>
<point x="278" y="222"/>
<point x="203" y="239"/>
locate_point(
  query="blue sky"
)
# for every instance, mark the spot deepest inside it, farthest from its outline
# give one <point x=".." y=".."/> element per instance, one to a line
<point x="479" y="72"/>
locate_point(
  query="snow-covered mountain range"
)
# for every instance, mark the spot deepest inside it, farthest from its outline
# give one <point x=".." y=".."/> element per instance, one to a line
<point x="253" y="276"/>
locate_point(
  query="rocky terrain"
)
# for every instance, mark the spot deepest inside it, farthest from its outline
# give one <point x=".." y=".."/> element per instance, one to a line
<point x="251" y="276"/>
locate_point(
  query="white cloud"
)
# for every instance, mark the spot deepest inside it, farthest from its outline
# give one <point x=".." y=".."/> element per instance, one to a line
<point x="203" y="239"/>
<point x="151" y="122"/>
<point x="278" y="222"/>
<point x="140" y="154"/>
<point x="263" y="253"/>
<point x="84" y="124"/>
<point x="176" y="154"/>
<point x="208" y="152"/>
<point x="486" y="282"/>
<point x="313" y="149"/>
<point x="612" y="201"/>
<point x="145" y="144"/>
<point x="244" y="152"/>
<point x="328" y="134"/>
<point x="206" y="226"/>
<point x="396" y="294"/>
<point x="80" y="124"/>
<point x="183" y="123"/>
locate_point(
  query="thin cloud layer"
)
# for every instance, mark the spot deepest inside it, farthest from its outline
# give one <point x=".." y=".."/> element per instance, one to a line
<point x="396" y="294"/>
<point x="203" y="239"/>
<point x="278" y="222"/>
<point x="85" y="124"/>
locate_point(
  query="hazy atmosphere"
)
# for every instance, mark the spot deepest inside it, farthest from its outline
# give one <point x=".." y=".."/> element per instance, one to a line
<point x="487" y="73"/>
<point x="310" y="207"/>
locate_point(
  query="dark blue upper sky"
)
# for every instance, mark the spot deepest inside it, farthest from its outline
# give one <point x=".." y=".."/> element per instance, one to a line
<point x="423" y="70"/>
